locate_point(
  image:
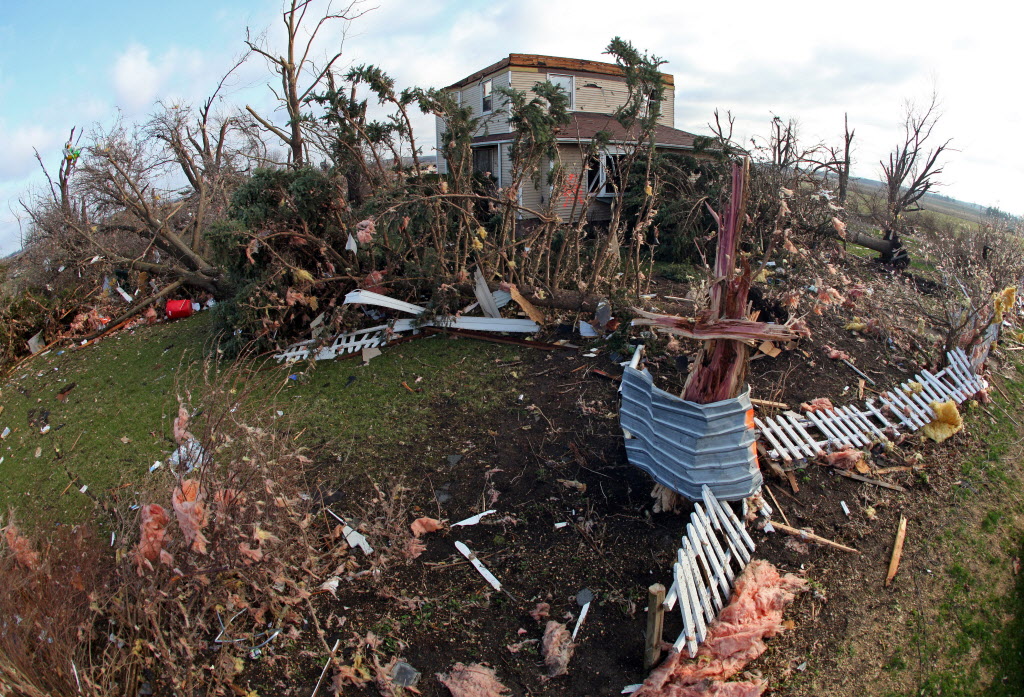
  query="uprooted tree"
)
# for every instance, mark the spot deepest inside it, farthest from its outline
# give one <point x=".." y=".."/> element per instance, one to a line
<point x="910" y="172"/>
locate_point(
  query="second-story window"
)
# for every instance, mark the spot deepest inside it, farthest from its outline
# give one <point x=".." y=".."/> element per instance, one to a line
<point x="567" y="83"/>
<point x="488" y="100"/>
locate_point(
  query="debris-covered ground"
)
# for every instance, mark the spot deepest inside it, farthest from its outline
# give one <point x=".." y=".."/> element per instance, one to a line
<point x="443" y="429"/>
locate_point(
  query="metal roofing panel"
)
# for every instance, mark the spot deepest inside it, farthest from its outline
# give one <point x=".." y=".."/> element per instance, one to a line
<point x="685" y="446"/>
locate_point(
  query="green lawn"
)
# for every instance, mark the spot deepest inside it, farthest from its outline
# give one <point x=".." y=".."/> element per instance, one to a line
<point x="117" y="421"/>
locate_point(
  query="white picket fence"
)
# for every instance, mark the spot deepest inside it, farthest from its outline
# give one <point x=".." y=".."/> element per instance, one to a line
<point x="796" y="437"/>
<point x="714" y="551"/>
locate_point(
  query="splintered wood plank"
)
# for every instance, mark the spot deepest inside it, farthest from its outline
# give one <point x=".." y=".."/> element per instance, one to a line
<point x="897" y="550"/>
<point x="867" y="480"/>
<point x="804" y="535"/>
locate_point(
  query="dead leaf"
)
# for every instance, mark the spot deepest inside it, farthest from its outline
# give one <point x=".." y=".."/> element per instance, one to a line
<point x="126" y="440"/>
<point x="573" y="484"/>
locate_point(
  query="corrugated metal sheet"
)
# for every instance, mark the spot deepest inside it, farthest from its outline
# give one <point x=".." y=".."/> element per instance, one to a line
<point x="685" y="445"/>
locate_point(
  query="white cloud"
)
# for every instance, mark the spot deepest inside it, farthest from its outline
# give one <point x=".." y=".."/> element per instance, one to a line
<point x="137" y="81"/>
<point x="17" y="157"/>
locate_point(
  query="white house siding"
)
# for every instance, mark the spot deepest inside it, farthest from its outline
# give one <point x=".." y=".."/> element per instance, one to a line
<point x="497" y="120"/>
<point x="605" y="98"/>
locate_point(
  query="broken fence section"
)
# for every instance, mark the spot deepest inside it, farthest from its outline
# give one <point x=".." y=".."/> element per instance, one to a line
<point x="714" y="551"/>
<point x="687" y="446"/>
<point x="796" y="437"/>
<point x="373" y="337"/>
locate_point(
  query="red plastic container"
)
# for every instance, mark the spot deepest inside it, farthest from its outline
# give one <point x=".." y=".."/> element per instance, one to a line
<point x="179" y="309"/>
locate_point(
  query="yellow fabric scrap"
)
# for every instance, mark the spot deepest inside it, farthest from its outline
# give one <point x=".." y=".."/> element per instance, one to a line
<point x="947" y="421"/>
<point x="1003" y="302"/>
<point x="856" y="325"/>
<point x="762" y="277"/>
<point x="915" y="387"/>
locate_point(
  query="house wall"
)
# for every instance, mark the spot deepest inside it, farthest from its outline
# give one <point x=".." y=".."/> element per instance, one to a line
<point x="601" y="94"/>
<point x="595" y="93"/>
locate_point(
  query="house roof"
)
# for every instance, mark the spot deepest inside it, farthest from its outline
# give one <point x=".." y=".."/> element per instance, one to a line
<point x="585" y="125"/>
<point x="531" y="60"/>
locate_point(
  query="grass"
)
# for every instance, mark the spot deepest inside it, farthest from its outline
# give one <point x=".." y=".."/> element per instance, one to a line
<point x="980" y="648"/>
<point x="117" y="420"/>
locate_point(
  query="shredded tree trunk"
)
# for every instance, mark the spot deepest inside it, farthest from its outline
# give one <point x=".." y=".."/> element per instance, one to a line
<point x="720" y="369"/>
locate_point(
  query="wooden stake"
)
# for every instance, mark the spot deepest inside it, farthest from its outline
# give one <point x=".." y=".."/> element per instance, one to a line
<point x="804" y="535"/>
<point x="792" y="482"/>
<point x="776" y="502"/>
<point x="897" y="550"/>
<point x="866" y="480"/>
<point x="767" y="403"/>
<point x="655" y="624"/>
<point x="860" y="388"/>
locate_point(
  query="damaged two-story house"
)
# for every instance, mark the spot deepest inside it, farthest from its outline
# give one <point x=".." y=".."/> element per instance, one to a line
<point x="595" y="90"/>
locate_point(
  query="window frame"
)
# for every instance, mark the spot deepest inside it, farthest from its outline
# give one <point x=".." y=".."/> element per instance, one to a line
<point x="487" y="96"/>
<point x="572" y="87"/>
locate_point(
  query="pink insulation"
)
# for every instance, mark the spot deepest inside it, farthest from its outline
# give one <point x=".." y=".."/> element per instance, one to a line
<point x="735" y="639"/>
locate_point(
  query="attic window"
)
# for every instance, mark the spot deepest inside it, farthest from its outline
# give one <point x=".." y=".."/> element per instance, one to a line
<point x="488" y="100"/>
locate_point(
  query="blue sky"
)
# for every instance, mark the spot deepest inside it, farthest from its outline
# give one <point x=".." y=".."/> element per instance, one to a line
<point x="66" y="64"/>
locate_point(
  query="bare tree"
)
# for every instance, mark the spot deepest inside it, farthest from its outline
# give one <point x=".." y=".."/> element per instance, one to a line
<point x="838" y="160"/>
<point x="211" y="151"/>
<point x="913" y="165"/>
<point x="298" y="72"/>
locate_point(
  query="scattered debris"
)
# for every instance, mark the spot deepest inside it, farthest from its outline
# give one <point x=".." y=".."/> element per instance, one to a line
<point x="897" y="550"/>
<point x="474" y="680"/>
<point x="557" y="648"/>
<point x="422" y="526"/>
<point x="947" y="421"/>
<point x="472" y="520"/>
<point x="540" y="612"/>
<point x="21" y="546"/>
<point x="573" y="484"/>
<point x="369" y="353"/>
<point x="754" y="614"/>
<point x="478" y="565"/>
<point x="684" y="445"/>
<point x="404" y="675"/>
<point x="807" y="535"/>
<point x="768" y="403"/>
<point x="583" y="599"/>
<point x="352" y="537"/>
<point x="817" y="404"/>
<point x="847" y="458"/>
<point x="876" y="482"/>
<point x="62" y="396"/>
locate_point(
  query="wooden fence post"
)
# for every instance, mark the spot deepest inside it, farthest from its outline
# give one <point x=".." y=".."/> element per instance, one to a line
<point x="655" y="623"/>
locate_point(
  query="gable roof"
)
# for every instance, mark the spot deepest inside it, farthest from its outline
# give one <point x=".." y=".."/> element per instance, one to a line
<point x="585" y="125"/>
<point x="532" y="60"/>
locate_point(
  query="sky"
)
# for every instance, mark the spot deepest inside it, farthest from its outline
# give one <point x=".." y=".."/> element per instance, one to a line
<point x="70" y="63"/>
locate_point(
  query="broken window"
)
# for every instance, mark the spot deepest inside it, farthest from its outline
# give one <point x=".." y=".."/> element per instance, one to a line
<point x="603" y="174"/>
<point x="488" y="99"/>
